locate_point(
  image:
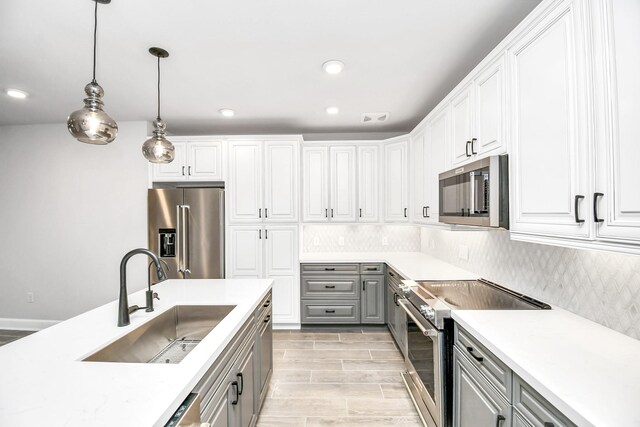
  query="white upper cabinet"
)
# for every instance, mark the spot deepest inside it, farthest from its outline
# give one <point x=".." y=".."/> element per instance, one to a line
<point x="197" y="160"/>
<point x="396" y="192"/>
<point x="461" y="122"/>
<point x="244" y="189"/>
<point x="315" y="184"/>
<point x="263" y="181"/>
<point x="489" y="101"/>
<point x="368" y="186"/>
<point x="342" y="202"/>
<point x="549" y="131"/>
<point x="436" y="145"/>
<point x="419" y="159"/>
<point x="281" y="181"/>
<point x="617" y="198"/>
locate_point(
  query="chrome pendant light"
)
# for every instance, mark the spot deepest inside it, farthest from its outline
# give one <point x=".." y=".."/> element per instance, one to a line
<point x="91" y="124"/>
<point x="158" y="149"/>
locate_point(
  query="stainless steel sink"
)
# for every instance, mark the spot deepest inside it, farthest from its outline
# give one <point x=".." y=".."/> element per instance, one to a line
<point x="167" y="338"/>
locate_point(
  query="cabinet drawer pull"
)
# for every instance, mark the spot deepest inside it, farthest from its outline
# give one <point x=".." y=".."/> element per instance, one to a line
<point x="329" y="311"/>
<point x="329" y="286"/>
<point x="466" y="149"/>
<point x="391" y="274"/>
<point x="235" y="386"/>
<point x="395" y="299"/>
<point x="329" y="269"/>
<point x="575" y="209"/>
<point x="595" y="207"/>
<point x="478" y="358"/>
<point x="499" y="419"/>
<point x="548" y="424"/>
<point x="266" y="319"/>
<point x="241" y="383"/>
<point x="267" y="303"/>
<point x="473" y="140"/>
<point x="371" y="269"/>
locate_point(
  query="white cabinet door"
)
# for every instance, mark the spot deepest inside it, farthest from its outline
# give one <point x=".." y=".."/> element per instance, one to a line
<point x="244" y="192"/>
<point x="549" y="164"/>
<point x="281" y="181"/>
<point x="618" y="110"/>
<point x="395" y="183"/>
<point x="418" y="184"/>
<point x="281" y="244"/>
<point x="342" y="205"/>
<point x="368" y="183"/>
<point x="436" y="148"/>
<point x="174" y="171"/>
<point x="204" y="161"/>
<point x="461" y="118"/>
<point x="315" y="184"/>
<point x="246" y="251"/>
<point x="489" y="112"/>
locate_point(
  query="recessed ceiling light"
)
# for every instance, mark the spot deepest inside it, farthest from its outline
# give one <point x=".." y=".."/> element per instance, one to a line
<point x="333" y="110"/>
<point x="333" y="67"/>
<point x="226" y="112"/>
<point x="15" y="93"/>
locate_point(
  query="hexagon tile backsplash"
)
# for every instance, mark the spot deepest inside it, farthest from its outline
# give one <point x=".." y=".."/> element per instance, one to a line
<point x="601" y="286"/>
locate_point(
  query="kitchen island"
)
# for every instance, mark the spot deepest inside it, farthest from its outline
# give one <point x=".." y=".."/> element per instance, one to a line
<point x="44" y="377"/>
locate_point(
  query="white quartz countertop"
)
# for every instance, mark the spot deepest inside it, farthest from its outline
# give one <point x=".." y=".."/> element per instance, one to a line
<point x="411" y="265"/>
<point x="43" y="380"/>
<point x="589" y="372"/>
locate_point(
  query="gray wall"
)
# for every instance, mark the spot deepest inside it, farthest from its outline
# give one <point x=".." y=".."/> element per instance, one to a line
<point x="601" y="286"/>
<point x="69" y="212"/>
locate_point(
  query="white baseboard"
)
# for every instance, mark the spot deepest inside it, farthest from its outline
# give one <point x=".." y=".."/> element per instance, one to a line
<point x="26" y="324"/>
<point x="277" y="326"/>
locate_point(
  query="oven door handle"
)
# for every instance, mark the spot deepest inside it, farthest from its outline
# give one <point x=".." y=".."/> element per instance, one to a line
<point x="426" y="332"/>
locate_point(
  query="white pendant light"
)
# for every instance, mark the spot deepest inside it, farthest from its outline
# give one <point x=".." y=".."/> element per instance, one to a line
<point x="91" y="124"/>
<point x="158" y="149"/>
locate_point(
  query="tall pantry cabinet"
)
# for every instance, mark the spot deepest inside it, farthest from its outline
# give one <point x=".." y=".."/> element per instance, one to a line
<point x="262" y="197"/>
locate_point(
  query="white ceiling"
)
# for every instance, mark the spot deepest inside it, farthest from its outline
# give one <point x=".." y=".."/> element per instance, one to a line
<point x="261" y="58"/>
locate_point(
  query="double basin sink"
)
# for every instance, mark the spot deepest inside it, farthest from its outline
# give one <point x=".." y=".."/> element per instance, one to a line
<point x="167" y="338"/>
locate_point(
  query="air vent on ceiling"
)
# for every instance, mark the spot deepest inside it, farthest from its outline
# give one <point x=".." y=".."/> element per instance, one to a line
<point x="374" y="117"/>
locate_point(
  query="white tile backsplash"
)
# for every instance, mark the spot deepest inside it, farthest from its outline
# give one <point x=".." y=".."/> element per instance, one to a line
<point x="360" y="238"/>
<point x="601" y="286"/>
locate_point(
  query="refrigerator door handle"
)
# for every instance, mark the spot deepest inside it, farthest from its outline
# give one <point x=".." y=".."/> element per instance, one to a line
<point x="179" y="238"/>
<point x="186" y="213"/>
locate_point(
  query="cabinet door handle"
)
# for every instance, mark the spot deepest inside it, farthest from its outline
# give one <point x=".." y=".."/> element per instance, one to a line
<point x="189" y="170"/>
<point x="575" y="208"/>
<point x="234" y="385"/>
<point x="259" y="233"/>
<point x="424" y="215"/>
<point x="183" y="171"/>
<point x="363" y="284"/>
<point x="260" y="213"/>
<point x="473" y="140"/>
<point x="466" y="149"/>
<point x="266" y="233"/>
<point x="266" y="213"/>
<point x="360" y="212"/>
<point x="478" y="358"/>
<point x="405" y="212"/>
<point x="329" y="311"/>
<point x="395" y="299"/>
<point x="241" y="386"/>
<point x="595" y="207"/>
<point x="499" y="419"/>
<point x="331" y="212"/>
<point x="326" y="215"/>
<point x="426" y="208"/>
<point x="329" y="286"/>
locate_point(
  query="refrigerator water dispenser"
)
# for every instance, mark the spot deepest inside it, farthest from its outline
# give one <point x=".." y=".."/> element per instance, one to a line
<point x="167" y="242"/>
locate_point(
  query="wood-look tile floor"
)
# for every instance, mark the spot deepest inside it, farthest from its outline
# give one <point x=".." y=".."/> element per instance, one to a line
<point x="337" y="377"/>
<point x="7" y="336"/>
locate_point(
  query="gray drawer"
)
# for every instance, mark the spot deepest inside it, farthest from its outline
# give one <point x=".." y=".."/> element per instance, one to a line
<point x="493" y="368"/>
<point x="330" y="312"/>
<point x="534" y="408"/>
<point x="369" y="268"/>
<point x="331" y="287"/>
<point x="329" y="268"/>
<point x="394" y="276"/>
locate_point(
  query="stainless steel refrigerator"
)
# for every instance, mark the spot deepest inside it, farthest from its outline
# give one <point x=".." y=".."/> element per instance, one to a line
<point x="186" y="230"/>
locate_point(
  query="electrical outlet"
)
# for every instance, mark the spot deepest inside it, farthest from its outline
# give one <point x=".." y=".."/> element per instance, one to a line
<point x="341" y="241"/>
<point x="316" y="241"/>
<point x="31" y="297"/>
<point x="463" y="252"/>
<point x="385" y="241"/>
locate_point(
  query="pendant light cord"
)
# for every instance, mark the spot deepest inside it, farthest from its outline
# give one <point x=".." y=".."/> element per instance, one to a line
<point x="95" y="34"/>
<point x="159" y="88"/>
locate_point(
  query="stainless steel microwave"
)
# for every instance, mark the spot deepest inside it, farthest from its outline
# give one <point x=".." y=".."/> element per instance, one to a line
<point x="476" y="193"/>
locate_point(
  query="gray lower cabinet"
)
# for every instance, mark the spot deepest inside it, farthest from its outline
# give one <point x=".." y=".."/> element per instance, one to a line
<point x="475" y="401"/>
<point x="518" y="421"/>
<point x="372" y="299"/>
<point x="396" y="316"/>
<point x="342" y="293"/>
<point x="219" y="413"/>
<point x="264" y="359"/>
<point x="245" y="378"/>
<point x="534" y="409"/>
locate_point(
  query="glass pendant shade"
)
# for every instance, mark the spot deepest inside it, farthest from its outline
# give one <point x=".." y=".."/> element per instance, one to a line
<point x="158" y="149"/>
<point x="91" y="124"/>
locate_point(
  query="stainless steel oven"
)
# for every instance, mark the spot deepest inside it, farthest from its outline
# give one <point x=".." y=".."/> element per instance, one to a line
<point x="476" y="193"/>
<point x="425" y="363"/>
